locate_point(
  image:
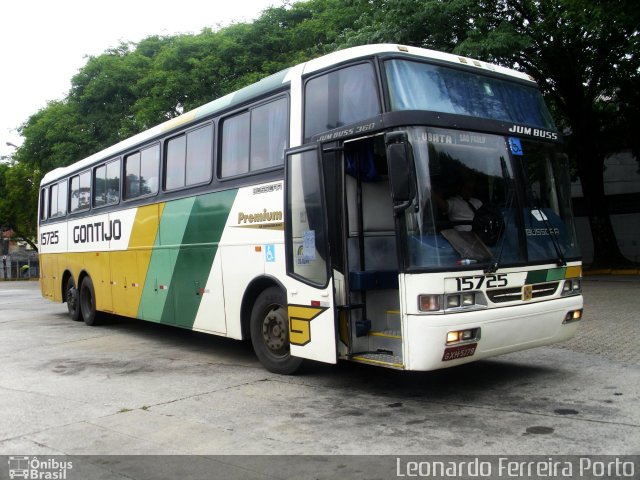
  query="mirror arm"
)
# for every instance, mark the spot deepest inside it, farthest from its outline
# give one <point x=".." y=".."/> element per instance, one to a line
<point x="401" y="207"/>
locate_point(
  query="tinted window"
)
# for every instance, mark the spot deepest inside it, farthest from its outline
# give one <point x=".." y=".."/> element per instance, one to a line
<point x="106" y="184"/>
<point x="44" y="203"/>
<point x="199" y="155"/>
<point x="53" y="203"/>
<point x="58" y="200"/>
<point x="80" y="192"/>
<point x="189" y="158"/>
<point x="255" y="139"/>
<point x="235" y="145"/>
<point x="141" y="172"/>
<point x="339" y="98"/>
<point x="176" y="155"/>
<point x="421" y="86"/>
<point x="268" y="134"/>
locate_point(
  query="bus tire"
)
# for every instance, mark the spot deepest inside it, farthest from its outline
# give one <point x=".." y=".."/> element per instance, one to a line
<point x="71" y="297"/>
<point x="88" y="302"/>
<point x="270" y="332"/>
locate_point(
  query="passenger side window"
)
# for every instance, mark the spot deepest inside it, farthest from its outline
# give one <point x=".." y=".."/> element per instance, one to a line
<point x="235" y="145"/>
<point x="80" y="192"/>
<point x="189" y="158"/>
<point x="141" y="172"/>
<point x="58" y="199"/>
<point x="255" y="139"/>
<point x="44" y="204"/>
<point x="106" y="184"/>
<point x="339" y="98"/>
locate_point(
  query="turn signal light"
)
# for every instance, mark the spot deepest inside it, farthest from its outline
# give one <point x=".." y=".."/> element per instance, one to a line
<point x="429" y="303"/>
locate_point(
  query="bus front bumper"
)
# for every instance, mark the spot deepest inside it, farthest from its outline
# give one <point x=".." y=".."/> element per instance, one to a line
<point x="502" y="330"/>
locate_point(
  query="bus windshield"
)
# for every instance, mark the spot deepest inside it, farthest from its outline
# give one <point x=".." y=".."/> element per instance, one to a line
<point x="422" y="86"/>
<point x="467" y="210"/>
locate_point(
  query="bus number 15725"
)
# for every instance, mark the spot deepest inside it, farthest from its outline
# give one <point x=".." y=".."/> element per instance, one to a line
<point x="476" y="282"/>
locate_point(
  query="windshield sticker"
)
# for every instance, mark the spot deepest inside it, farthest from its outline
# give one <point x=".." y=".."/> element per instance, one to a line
<point x="539" y="215"/>
<point x="309" y="244"/>
<point x="515" y="146"/>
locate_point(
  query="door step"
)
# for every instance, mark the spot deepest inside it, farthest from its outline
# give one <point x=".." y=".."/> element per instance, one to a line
<point x="387" y="334"/>
<point x="387" y="341"/>
<point x="381" y="359"/>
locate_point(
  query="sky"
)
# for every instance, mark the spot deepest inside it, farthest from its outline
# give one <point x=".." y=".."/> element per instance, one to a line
<point x="43" y="43"/>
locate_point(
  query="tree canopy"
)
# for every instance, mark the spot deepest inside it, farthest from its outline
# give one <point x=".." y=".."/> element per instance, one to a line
<point x="583" y="54"/>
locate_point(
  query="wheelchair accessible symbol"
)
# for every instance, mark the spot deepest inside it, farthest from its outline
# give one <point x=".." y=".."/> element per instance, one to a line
<point x="270" y="253"/>
<point x="516" y="146"/>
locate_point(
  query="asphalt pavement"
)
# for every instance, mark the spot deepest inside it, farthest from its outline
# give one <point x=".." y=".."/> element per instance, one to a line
<point x="131" y="387"/>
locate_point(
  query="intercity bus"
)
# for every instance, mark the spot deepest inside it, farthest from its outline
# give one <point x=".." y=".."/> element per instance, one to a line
<point x="312" y="213"/>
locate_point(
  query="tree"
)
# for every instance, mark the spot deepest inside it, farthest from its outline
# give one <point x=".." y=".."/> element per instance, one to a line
<point x="19" y="185"/>
<point x="583" y="53"/>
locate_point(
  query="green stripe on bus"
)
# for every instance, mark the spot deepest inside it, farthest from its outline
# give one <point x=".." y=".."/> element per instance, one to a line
<point x="541" y="276"/>
<point x="195" y="256"/>
<point x="187" y="242"/>
<point x="156" y="297"/>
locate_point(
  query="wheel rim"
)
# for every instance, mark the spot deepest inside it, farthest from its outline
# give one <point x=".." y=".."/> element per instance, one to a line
<point x="275" y="331"/>
<point x="72" y="298"/>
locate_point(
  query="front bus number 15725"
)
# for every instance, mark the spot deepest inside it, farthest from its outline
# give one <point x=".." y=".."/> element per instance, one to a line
<point x="475" y="282"/>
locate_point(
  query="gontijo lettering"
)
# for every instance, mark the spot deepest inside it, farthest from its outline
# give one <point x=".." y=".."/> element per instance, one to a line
<point x="97" y="232"/>
<point x="263" y="216"/>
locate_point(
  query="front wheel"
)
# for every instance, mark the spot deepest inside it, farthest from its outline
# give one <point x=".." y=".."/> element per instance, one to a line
<point x="88" y="302"/>
<point x="270" y="332"/>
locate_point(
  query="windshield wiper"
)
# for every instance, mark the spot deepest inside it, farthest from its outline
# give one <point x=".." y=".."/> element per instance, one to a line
<point x="552" y="233"/>
<point x="495" y="262"/>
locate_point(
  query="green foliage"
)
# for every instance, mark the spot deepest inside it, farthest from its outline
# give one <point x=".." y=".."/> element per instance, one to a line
<point x="19" y="185"/>
<point x="583" y="53"/>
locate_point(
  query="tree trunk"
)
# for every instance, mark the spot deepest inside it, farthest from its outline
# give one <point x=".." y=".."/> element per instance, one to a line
<point x="24" y="238"/>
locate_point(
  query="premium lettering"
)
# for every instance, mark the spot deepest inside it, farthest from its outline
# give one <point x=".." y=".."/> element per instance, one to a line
<point x="263" y="216"/>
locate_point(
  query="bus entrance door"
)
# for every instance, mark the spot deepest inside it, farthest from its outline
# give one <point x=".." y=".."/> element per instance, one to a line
<point x="311" y="304"/>
<point x="370" y="321"/>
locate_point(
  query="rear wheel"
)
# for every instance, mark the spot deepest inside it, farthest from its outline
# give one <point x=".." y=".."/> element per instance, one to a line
<point x="270" y="332"/>
<point x="71" y="297"/>
<point x="88" y="302"/>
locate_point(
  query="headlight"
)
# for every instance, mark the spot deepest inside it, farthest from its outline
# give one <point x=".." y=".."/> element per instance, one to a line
<point x="572" y="286"/>
<point x="451" y="302"/>
<point x="468" y="299"/>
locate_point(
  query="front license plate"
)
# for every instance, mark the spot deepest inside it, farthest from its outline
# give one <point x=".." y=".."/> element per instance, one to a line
<point x="461" y="351"/>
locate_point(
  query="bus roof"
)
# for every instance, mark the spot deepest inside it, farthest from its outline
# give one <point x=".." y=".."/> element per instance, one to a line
<point x="270" y="83"/>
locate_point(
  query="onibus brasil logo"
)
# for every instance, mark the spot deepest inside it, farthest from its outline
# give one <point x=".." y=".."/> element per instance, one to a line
<point x="33" y="468"/>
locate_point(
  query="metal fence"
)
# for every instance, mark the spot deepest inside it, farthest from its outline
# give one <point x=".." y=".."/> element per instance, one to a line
<point x="20" y="265"/>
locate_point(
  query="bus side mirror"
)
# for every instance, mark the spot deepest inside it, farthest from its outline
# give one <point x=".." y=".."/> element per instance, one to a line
<point x="401" y="177"/>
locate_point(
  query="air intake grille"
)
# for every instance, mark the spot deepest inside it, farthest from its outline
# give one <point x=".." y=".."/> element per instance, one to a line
<point x="502" y="295"/>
